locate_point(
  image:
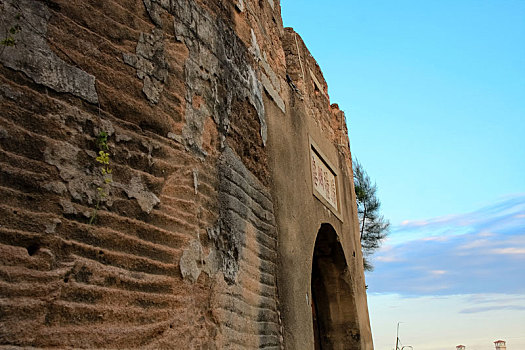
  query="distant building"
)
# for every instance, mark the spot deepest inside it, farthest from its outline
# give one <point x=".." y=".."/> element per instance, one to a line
<point x="460" y="347"/>
<point x="500" y="345"/>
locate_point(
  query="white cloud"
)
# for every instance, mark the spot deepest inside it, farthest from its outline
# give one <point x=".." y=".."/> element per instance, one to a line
<point x="390" y="258"/>
<point x="473" y="310"/>
<point x="475" y="244"/>
<point x="438" y="272"/>
<point x="436" y="238"/>
<point x="509" y="251"/>
<point x="423" y="223"/>
<point x="486" y="234"/>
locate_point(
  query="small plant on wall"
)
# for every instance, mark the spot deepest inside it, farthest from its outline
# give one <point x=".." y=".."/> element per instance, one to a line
<point x="10" y="33"/>
<point x="103" y="162"/>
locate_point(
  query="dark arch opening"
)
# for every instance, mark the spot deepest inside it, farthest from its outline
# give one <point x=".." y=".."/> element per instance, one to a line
<point x="334" y="311"/>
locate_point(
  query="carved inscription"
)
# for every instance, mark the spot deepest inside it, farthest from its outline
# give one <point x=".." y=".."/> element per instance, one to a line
<point x="323" y="180"/>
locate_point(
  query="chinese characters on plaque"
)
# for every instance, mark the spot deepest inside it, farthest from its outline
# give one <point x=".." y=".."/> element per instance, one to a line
<point x="324" y="180"/>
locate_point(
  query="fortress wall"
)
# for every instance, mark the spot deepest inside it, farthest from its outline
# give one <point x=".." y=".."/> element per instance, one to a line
<point x="183" y="242"/>
<point x="311" y="122"/>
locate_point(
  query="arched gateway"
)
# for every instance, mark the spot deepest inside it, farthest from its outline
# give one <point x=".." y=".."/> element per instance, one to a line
<point x="334" y="313"/>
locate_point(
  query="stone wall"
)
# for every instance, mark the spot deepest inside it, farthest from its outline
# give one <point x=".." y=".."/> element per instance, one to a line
<point x="141" y="179"/>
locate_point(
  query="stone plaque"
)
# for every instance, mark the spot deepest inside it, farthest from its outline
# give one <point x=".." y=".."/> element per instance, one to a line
<point x="324" y="180"/>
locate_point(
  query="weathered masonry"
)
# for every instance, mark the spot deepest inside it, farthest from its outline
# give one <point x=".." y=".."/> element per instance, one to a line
<point x="172" y="175"/>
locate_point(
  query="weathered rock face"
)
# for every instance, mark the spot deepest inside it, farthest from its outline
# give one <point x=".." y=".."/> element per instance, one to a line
<point x="155" y="180"/>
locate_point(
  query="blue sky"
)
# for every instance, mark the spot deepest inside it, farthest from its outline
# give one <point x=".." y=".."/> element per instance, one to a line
<point x="478" y="252"/>
<point x="434" y="95"/>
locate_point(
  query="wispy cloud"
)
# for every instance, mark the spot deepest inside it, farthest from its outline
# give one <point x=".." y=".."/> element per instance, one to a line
<point x="493" y="302"/>
<point x="503" y="215"/>
<point x="476" y="252"/>
<point x="509" y="251"/>
<point x="473" y="310"/>
<point x="497" y="299"/>
<point x="438" y="272"/>
<point x="389" y="258"/>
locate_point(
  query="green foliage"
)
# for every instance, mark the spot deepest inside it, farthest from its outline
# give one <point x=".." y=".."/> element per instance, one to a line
<point x="102" y="141"/>
<point x="373" y="226"/>
<point x="8" y="41"/>
<point x="10" y="34"/>
<point x="105" y="172"/>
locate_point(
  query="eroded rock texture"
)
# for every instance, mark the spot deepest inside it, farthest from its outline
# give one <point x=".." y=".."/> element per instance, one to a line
<point x="32" y="54"/>
<point x="171" y="241"/>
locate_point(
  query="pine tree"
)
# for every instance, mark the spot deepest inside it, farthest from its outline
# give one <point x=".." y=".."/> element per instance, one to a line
<point x="373" y="226"/>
